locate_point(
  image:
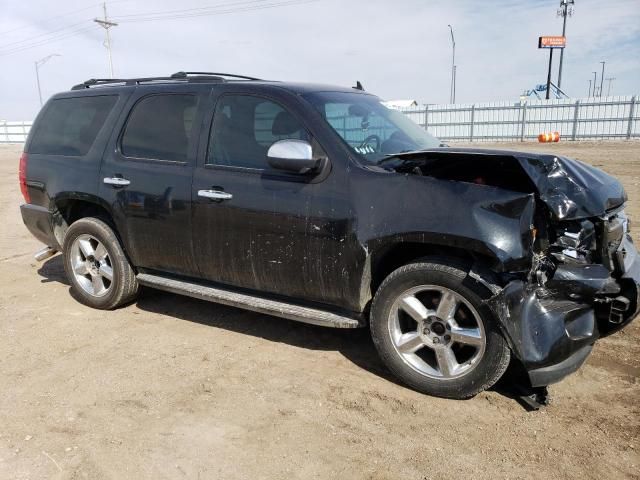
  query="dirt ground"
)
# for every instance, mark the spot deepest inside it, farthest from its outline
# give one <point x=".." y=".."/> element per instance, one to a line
<point x="172" y="387"/>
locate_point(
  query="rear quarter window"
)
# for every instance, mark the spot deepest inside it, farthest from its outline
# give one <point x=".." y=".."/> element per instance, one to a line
<point x="69" y="126"/>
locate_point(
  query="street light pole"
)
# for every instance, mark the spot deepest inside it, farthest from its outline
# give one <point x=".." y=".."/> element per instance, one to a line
<point x="589" y="94"/>
<point x="37" y="64"/>
<point x="602" y="78"/>
<point x="566" y="10"/>
<point x="452" y="97"/>
<point x="595" y="82"/>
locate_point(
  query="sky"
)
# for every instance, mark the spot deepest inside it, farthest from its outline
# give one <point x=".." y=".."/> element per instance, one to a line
<point x="398" y="49"/>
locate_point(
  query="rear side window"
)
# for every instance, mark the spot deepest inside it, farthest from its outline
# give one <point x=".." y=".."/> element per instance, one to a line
<point x="160" y="127"/>
<point x="69" y="126"/>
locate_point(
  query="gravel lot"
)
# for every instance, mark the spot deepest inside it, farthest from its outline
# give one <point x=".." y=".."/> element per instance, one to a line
<point x="172" y="387"/>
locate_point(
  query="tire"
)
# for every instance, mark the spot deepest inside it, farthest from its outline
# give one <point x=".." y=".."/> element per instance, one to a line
<point x="97" y="268"/>
<point x="416" y="334"/>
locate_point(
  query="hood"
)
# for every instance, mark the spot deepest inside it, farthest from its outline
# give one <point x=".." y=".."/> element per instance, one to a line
<point x="571" y="189"/>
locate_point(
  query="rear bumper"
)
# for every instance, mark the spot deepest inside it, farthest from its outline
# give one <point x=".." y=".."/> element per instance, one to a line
<point x="39" y="222"/>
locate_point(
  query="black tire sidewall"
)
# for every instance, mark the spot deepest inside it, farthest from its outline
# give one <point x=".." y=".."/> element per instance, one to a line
<point x="489" y="369"/>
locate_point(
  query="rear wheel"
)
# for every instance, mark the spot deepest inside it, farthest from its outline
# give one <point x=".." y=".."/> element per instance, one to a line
<point x="96" y="266"/>
<point x="435" y="334"/>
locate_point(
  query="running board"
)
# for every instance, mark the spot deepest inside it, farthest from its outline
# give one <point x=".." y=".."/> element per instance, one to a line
<point x="249" y="302"/>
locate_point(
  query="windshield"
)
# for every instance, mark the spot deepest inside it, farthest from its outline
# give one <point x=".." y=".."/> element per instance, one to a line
<point x="371" y="130"/>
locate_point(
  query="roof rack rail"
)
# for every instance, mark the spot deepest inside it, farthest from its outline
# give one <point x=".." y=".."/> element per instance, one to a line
<point x="230" y="75"/>
<point x="176" y="77"/>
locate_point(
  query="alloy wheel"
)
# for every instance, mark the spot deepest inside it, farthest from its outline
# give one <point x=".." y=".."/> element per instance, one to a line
<point x="437" y="332"/>
<point x="91" y="265"/>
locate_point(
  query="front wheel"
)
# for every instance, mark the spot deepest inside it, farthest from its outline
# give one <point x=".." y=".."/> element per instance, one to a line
<point x="434" y="332"/>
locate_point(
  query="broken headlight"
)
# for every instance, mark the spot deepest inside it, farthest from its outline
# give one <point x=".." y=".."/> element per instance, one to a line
<point x="613" y="230"/>
<point x="575" y="242"/>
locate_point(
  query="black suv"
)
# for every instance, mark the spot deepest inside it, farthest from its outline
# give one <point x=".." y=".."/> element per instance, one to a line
<point x="319" y="204"/>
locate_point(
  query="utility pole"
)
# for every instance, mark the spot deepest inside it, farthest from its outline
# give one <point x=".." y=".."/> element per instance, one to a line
<point x="37" y="64"/>
<point x="589" y="94"/>
<point x="452" y="97"/>
<point x="595" y="82"/>
<point x="602" y="78"/>
<point x="610" y="79"/>
<point x="106" y="24"/>
<point x="565" y="10"/>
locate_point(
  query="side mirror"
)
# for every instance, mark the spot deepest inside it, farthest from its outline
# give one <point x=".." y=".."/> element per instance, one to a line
<point x="295" y="156"/>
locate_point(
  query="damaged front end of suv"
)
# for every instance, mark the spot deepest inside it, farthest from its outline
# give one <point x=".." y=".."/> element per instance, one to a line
<point x="576" y="277"/>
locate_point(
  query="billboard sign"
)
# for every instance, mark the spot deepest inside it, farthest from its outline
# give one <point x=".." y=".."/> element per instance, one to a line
<point x="552" y="42"/>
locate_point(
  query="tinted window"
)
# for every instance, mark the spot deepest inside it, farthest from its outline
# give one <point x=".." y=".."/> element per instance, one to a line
<point x="244" y="127"/>
<point x="160" y="127"/>
<point x="69" y="126"/>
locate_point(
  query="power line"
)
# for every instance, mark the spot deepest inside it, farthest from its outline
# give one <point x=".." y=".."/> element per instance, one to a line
<point x="65" y="15"/>
<point x="52" y="32"/>
<point x="67" y="31"/>
<point x="56" y="38"/>
<point x="216" y="12"/>
<point x="186" y="10"/>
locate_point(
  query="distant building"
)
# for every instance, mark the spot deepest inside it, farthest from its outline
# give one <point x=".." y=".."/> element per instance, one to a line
<point x="401" y="104"/>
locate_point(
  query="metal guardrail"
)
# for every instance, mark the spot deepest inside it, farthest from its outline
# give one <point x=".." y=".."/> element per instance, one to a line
<point x="14" y="132"/>
<point x="575" y="119"/>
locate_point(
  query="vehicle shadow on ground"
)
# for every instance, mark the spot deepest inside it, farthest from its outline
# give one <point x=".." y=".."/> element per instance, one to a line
<point x="355" y="345"/>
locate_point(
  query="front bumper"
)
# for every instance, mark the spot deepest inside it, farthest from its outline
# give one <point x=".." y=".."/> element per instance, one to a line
<point x="552" y="330"/>
<point x="541" y="377"/>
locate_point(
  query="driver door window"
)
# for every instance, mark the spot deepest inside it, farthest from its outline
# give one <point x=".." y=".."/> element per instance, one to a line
<point x="245" y="126"/>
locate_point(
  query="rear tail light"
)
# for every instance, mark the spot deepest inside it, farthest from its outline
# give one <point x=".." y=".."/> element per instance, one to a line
<point x="22" y="176"/>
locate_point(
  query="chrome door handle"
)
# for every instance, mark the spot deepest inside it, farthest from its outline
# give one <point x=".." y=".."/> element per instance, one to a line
<point x="215" y="194"/>
<point x="116" y="181"/>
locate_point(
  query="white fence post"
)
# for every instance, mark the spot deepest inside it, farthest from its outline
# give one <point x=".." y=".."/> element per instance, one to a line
<point x="632" y="113"/>
<point x="523" y="124"/>
<point x="575" y="121"/>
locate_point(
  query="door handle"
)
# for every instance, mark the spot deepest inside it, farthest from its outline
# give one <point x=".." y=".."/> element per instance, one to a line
<point x="215" y="194"/>
<point x="116" y="181"/>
